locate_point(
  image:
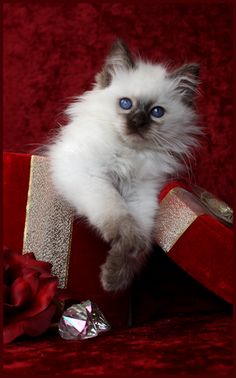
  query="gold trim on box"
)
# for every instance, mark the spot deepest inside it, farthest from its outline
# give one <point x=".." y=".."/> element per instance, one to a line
<point x="49" y="221"/>
<point x="178" y="210"/>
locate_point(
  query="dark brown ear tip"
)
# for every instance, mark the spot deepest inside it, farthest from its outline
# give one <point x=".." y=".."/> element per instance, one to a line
<point x="194" y="69"/>
<point x="119" y="44"/>
<point x="118" y="41"/>
<point x="188" y="69"/>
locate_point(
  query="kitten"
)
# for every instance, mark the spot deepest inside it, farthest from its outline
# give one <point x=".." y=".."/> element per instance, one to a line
<point x="124" y="138"/>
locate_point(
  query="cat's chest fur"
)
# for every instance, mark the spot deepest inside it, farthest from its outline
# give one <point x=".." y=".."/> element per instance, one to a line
<point x="129" y="167"/>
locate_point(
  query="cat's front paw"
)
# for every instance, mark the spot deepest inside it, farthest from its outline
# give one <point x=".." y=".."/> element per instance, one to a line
<point x="125" y="236"/>
<point x="116" y="273"/>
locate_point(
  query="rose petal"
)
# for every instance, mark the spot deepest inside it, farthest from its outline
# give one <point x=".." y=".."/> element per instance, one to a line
<point x="12" y="331"/>
<point x="12" y="268"/>
<point x="32" y="278"/>
<point x="8" y="311"/>
<point x="27" y="269"/>
<point x="6" y="293"/>
<point x="32" y="327"/>
<point x="41" y="266"/>
<point x="33" y="291"/>
<point x="20" y="292"/>
<point x="41" y="322"/>
<point x="47" y="292"/>
<point x="17" y="261"/>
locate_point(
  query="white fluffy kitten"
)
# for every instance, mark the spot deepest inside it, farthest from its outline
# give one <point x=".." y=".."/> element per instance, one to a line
<point x="124" y="138"/>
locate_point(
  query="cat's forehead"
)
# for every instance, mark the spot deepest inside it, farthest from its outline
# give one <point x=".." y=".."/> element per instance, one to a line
<point x="146" y="81"/>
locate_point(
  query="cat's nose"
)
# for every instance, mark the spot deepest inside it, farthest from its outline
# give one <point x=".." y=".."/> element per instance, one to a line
<point x="139" y="119"/>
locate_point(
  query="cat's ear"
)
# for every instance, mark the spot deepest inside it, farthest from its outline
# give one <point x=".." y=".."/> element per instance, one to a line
<point x="118" y="58"/>
<point x="187" y="80"/>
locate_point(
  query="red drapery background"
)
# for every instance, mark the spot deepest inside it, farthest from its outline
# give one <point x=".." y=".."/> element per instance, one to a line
<point x="52" y="51"/>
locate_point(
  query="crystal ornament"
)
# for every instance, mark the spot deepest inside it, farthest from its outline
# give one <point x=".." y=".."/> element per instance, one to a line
<point x="82" y="321"/>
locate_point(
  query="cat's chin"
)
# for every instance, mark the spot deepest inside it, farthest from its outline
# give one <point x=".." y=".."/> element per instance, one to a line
<point x="135" y="140"/>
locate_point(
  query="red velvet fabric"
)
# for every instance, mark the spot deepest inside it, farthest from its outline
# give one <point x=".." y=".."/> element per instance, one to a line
<point x="15" y="198"/>
<point x="205" y="250"/>
<point x="52" y="51"/>
<point x="165" y="289"/>
<point x="199" y="345"/>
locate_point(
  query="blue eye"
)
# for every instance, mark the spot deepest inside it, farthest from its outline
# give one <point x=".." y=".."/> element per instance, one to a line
<point x="158" y="111"/>
<point x="125" y="103"/>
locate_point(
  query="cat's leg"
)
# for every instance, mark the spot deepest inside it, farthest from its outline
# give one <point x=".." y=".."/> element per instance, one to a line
<point x="122" y="264"/>
<point x="120" y="267"/>
<point x="143" y="206"/>
<point x="107" y="211"/>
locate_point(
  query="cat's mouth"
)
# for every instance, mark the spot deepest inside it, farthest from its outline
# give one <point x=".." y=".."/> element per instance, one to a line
<point x="136" y="132"/>
<point x="136" y="138"/>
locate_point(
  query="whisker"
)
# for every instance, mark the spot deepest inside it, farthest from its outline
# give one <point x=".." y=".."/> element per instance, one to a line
<point x="168" y="148"/>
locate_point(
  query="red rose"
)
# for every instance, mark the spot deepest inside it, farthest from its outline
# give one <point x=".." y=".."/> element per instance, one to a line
<point x="28" y="296"/>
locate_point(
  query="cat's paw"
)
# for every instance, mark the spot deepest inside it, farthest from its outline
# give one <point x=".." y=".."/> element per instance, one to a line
<point x="113" y="227"/>
<point x="125" y="236"/>
<point x="116" y="273"/>
<point x="131" y="244"/>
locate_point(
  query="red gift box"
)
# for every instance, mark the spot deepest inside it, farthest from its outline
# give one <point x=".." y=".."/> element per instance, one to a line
<point x="190" y="268"/>
<point x="37" y="220"/>
<point x="188" y="231"/>
<point x="195" y="229"/>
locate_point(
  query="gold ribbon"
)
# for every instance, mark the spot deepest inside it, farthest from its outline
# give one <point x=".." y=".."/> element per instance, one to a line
<point x="49" y="221"/>
<point x="179" y="209"/>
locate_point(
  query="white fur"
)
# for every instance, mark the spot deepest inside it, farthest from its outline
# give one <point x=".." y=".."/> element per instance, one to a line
<point x="105" y="173"/>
